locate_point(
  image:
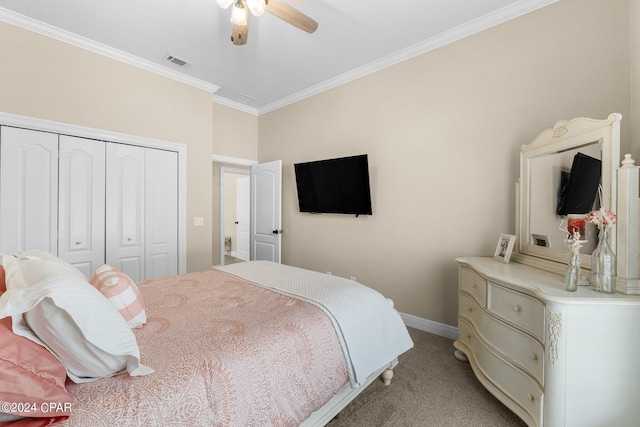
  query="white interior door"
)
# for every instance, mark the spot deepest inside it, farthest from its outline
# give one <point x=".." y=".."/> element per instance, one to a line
<point x="266" y="221"/>
<point x="81" y="206"/>
<point x="28" y="190"/>
<point x="125" y="209"/>
<point x="243" y="197"/>
<point x="161" y="226"/>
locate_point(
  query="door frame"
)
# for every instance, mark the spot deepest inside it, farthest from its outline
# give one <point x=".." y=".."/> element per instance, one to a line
<point x="234" y="161"/>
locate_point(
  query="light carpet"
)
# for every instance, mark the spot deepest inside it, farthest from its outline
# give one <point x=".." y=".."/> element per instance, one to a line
<point x="430" y="387"/>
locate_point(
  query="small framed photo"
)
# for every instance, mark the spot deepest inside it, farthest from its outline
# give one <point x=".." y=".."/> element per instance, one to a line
<point x="505" y="247"/>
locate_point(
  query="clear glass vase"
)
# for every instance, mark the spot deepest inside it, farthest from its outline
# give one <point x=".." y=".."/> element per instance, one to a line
<point x="572" y="273"/>
<point x="603" y="264"/>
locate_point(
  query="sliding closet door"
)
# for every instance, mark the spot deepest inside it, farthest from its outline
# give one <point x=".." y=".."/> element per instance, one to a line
<point x="82" y="202"/>
<point x="161" y="192"/>
<point x="28" y="190"/>
<point x="125" y="207"/>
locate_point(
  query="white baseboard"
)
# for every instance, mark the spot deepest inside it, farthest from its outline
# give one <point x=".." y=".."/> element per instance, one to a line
<point x="430" y="326"/>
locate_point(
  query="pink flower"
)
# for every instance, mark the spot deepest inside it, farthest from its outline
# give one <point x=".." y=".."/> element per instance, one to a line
<point x="601" y="218"/>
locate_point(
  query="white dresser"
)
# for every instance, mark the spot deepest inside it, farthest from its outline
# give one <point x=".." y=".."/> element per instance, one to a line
<point x="555" y="358"/>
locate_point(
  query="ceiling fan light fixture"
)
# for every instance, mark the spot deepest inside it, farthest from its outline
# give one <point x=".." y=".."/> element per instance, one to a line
<point x="224" y="3"/>
<point x="257" y="7"/>
<point x="239" y="13"/>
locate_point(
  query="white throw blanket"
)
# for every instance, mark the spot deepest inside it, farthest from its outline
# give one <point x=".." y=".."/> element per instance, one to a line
<point x="371" y="332"/>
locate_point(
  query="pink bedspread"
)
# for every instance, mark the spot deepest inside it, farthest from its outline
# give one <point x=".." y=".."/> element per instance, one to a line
<point x="226" y="353"/>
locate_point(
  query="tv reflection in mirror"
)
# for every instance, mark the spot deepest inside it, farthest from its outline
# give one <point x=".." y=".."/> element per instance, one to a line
<point x="339" y="186"/>
<point x="578" y="189"/>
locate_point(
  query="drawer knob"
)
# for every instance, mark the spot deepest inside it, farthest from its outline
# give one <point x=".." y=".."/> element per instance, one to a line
<point x="475" y="286"/>
<point x="517" y="308"/>
<point x="470" y="309"/>
<point x="534" y="356"/>
<point x="531" y="397"/>
<point x="469" y="336"/>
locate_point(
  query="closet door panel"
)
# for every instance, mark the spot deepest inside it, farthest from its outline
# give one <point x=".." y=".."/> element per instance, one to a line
<point x="161" y="213"/>
<point x="82" y="203"/>
<point x="125" y="202"/>
<point x="28" y="190"/>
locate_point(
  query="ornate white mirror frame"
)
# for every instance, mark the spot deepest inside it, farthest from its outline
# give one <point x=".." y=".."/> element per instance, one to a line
<point x="582" y="134"/>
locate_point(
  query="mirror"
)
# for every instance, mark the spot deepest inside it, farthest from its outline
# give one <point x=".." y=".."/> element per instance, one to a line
<point x="548" y="188"/>
<point x="590" y="149"/>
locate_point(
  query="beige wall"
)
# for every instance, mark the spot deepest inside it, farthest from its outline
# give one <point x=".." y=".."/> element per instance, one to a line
<point x="235" y="133"/>
<point x="443" y="132"/>
<point x="44" y="78"/>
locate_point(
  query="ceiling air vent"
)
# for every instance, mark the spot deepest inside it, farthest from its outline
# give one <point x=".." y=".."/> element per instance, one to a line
<point x="245" y="99"/>
<point x="179" y="62"/>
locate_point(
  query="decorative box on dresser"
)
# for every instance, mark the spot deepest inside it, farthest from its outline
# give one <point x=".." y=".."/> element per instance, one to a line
<point x="555" y="358"/>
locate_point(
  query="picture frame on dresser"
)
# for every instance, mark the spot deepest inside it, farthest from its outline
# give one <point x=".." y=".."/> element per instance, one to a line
<point x="504" y="249"/>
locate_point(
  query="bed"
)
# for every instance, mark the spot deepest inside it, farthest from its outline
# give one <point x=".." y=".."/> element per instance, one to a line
<point x="253" y="343"/>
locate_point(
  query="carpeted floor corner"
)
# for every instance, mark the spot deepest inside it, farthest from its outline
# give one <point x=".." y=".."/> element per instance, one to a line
<point x="430" y="387"/>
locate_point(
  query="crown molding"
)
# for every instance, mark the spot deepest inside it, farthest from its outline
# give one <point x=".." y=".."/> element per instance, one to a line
<point x="505" y="14"/>
<point x="500" y="16"/>
<point x="235" y="105"/>
<point x="39" y="27"/>
<point x="218" y="158"/>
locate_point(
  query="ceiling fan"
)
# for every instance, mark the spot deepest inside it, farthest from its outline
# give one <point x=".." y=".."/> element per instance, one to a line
<point x="240" y="16"/>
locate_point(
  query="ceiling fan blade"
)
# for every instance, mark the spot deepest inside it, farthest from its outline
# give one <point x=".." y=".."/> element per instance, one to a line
<point x="239" y="34"/>
<point x="291" y="15"/>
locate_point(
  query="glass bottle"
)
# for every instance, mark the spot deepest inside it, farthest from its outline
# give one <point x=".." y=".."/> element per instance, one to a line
<point x="603" y="265"/>
<point x="572" y="273"/>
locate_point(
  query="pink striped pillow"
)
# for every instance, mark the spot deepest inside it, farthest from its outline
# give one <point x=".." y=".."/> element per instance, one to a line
<point x="122" y="293"/>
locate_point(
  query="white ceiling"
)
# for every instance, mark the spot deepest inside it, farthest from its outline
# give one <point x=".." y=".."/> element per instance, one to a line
<point x="280" y="64"/>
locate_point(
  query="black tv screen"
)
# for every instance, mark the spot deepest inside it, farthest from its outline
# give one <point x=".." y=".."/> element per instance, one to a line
<point x="339" y="186"/>
<point x="581" y="187"/>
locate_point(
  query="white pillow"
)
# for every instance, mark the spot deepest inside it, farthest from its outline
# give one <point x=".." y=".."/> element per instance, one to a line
<point x="38" y="265"/>
<point x="73" y="320"/>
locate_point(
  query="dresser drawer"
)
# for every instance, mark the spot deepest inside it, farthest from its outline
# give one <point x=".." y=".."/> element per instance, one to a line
<point x="514" y="383"/>
<point x="474" y="284"/>
<point x="515" y="346"/>
<point x="518" y="309"/>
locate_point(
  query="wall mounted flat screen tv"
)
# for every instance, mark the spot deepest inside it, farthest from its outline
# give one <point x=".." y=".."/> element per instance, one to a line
<point x="339" y="186"/>
<point x="579" y="192"/>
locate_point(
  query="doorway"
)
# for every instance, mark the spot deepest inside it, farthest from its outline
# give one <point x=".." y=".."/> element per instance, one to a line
<point x="234" y="215"/>
<point x="264" y="211"/>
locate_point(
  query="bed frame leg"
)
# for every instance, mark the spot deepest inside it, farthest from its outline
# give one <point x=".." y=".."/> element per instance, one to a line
<point x="386" y="376"/>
